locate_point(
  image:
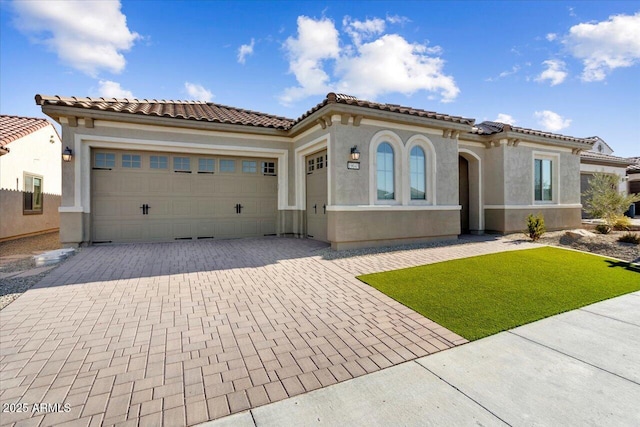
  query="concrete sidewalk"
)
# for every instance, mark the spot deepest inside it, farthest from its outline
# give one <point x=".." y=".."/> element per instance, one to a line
<point x="577" y="368"/>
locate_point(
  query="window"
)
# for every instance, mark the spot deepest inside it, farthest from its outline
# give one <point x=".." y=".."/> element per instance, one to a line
<point x="385" y="172"/>
<point x="249" y="166"/>
<point x="227" y="165"/>
<point x="105" y="160"/>
<point x="543" y="187"/>
<point x="311" y="165"/>
<point x="131" y="161"/>
<point x="182" y="164"/>
<point x="269" y="168"/>
<point x="417" y="174"/>
<point x="159" y="162"/>
<point x="32" y="202"/>
<point x="320" y="162"/>
<point x="206" y="165"/>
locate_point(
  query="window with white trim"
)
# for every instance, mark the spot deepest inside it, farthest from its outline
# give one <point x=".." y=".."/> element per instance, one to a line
<point x="385" y="172"/>
<point x="105" y="160"/>
<point x="249" y="166"/>
<point x="182" y="164"/>
<point x="32" y="196"/>
<point x="206" y="165"/>
<point x="159" y="162"/>
<point x="417" y="173"/>
<point x="131" y="161"/>
<point x="269" y="168"/>
<point x="227" y="165"/>
<point x="543" y="180"/>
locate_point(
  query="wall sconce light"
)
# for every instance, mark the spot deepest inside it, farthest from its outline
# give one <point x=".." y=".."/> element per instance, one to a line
<point x="355" y="154"/>
<point x="67" y="154"/>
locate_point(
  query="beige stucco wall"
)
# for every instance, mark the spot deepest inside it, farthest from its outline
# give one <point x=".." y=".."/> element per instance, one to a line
<point x="15" y="224"/>
<point x="349" y="229"/>
<point x="34" y="154"/>
<point x="515" y="220"/>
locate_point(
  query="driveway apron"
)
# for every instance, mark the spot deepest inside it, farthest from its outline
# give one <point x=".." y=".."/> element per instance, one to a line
<point x="180" y="333"/>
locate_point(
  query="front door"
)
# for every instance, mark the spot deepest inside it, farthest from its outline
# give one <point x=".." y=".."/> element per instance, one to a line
<point x="317" y="196"/>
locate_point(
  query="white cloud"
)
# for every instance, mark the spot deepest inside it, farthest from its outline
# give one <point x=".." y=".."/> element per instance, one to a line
<point x="317" y="41"/>
<point x="397" y="19"/>
<point x="505" y="118"/>
<point x="605" y="46"/>
<point x="556" y="72"/>
<point x="551" y="37"/>
<point x="363" y="30"/>
<point x="375" y="64"/>
<point x="90" y="36"/>
<point x="550" y="121"/>
<point x="504" y="74"/>
<point x="198" y="92"/>
<point x="245" y="50"/>
<point x="109" y="89"/>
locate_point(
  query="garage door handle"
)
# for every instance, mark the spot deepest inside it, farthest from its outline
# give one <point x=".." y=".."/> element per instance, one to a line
<point x="315" y="208"/>
<point x="239" y="208"/>
<point x="145" y="209"/>
<point x="324" y="208"/>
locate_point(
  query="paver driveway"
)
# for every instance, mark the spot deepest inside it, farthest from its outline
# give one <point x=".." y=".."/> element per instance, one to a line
<point x="180" y="333"/>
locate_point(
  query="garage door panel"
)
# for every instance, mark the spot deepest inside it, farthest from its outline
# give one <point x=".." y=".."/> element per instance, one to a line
<point x="181" y="205"/>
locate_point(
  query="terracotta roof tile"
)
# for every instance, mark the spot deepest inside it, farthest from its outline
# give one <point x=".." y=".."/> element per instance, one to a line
<point x="605" y="158"/>
<point x="189" y="110"/>
<point x="489" y="128"/>
<point x="333" y="98"/>
<point x="14" y="127"/>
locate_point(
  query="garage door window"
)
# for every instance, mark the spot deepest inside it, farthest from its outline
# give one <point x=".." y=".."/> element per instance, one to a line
<point x="320" y="162"/>
<point x="227" y="165"/>
<point x="206" y="166"/>
<point x="131" y="161"/>
<point x="182" y="164"/>
<point x="269" y="168"/>
<point x="249" y="166"/>
<point x="105" y="160"/>
<point x="159" y="162"/>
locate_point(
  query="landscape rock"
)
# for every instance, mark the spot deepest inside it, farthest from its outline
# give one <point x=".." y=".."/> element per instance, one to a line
<point x="579" y="233"/>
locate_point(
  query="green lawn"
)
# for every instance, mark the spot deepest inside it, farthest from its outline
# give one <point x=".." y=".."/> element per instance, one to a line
<point x="480" y="296"/>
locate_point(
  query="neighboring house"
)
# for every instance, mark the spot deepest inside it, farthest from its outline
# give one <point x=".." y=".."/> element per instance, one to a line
<point x="600" y="158"/>
<point x="350" y="172"/>
<point x="633" y="178"/>
<point x="30" y="176"/>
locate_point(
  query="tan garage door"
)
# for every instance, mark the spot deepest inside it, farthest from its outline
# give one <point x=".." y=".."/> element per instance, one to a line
<point x="142" y="196"/>
<point x="317" y="196"/>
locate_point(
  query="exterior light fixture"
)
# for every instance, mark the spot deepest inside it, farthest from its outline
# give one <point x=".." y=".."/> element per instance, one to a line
<point x="67" y="154"/>
<point x="355" y="153"/>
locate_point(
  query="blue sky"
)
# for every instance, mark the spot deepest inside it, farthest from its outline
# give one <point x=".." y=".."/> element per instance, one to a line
<point x="566" y="67"/>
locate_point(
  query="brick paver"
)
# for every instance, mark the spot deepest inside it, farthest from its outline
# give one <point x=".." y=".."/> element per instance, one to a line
<point x="185" y="332"/>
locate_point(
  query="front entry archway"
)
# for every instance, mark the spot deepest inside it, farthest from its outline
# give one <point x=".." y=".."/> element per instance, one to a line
<point x="470" y="192"/>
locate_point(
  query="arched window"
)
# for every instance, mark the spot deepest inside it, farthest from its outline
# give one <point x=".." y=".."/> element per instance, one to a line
<point x="417" y="166"/>
<point x="385" y="172"/>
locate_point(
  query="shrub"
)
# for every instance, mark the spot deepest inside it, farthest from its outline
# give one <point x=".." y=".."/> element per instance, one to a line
<point x="622" y="223"/>
<point x="603" y="200"/>
<point x="535" y="226"/>
<point x="603" y="228"/>
<point x="630" y="238"/>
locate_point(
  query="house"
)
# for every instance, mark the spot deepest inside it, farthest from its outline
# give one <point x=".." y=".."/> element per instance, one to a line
<point x="348" y="171"/>
<point x="600" y="159"/>
<point x="30" y="177"/>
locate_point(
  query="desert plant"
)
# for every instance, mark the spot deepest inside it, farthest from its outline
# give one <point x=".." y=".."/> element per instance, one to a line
<point x="603" y="200"/>
<point x="535" y="226"/>
<point x="603" y="228"/>
<point x="630" y="238"/>
<point x="622" y="223"/>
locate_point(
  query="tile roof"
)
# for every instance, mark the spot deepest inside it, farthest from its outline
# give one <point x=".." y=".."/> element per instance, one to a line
<point x="333" y="98"/>
<point x="189" y="110"/>
<point x="605" y="158"/>
<point x="15" y="127"/>
<point x="634" y="167"/>
<point x="489" y="128"/>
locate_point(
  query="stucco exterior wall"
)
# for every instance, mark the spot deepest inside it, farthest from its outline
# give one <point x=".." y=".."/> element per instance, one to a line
<point x="34" y="154"/>
<point x="353" y="229"/>
<point x="515" y="220"/>
<point x="15" y="224"/>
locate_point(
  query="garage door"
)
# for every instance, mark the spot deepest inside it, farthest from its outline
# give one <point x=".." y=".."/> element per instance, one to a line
<point x="317" y="196"/>
<point x="142" y="196"/>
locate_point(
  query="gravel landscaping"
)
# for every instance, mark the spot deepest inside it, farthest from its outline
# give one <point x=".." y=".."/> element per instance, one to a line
<point x="601" y="244"/>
